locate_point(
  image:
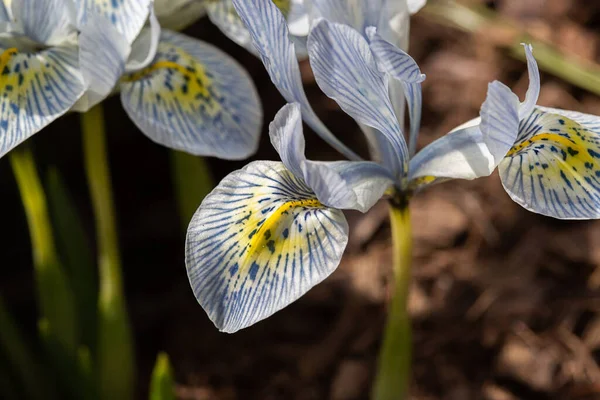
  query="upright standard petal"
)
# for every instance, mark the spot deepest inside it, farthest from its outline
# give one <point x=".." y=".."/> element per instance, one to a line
<point x="533" y="92"/>
<point x="344" y="185"/>
<point x="103" y="52"/>
<point x="195" y="98"/>
<point x="270" y="35"/>
<point x="49" y="22"/>
<point x="473" y="150"/>
<point x="554" y="167"/>
<point x="402" y="67"/>
<point x="346" y="71"/>
<point x="37" y="88"/>
<point x="258" y="242"/>
<point x="128" y="16"/>
<point x="143" y="48"/>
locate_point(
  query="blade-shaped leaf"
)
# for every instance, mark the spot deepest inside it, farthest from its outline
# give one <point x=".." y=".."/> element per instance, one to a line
<point x="162" y="385"/>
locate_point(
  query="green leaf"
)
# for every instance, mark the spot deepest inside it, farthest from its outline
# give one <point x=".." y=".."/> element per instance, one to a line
<point x="24" y="366"/>
<point x="162" y="386"/>
<point x="74" y="379"/>
<point x="55" y="297"/>
<point x="192" y="181"/>
<point x="74" y="249"/>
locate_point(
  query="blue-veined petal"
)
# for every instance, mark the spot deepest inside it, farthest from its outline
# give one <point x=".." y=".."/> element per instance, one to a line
<point x="195" y="98"/>
<point x="474" y="149"/>
<point x="346" y="71"/>
<point x="554" y="166"/>
<point x="345" y="185"/>
<point x="50" y="22"/>
<point x="103" y="52"/>
<point x="258" y="242"/>
<point x="128" y="16"/>
<point x="37" y="88"/>
<point x="533" y="92"/>
<point x="390" y="17"/>
<point x="403" y="68"/>
<point x="269" y="32"/>
<point x="223" y="14"/>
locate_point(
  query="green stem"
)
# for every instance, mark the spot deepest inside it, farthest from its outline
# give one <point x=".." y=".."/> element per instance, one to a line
<point x="577" y="71"/>
<point x="55" y="297"/>
<point x="192" y="181"/>
<point x="114" y="352"/>
<point x="393" y="376"/>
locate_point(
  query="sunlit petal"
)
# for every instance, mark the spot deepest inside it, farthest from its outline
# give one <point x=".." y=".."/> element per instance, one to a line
<point x="103" y="52"/>
<point x="346" y="71"/>
<point x="36" y="89"/>
<point x="345" y="185"/>
<point x="533" y="92"/>
<point x="554" y="166"/>
<point x="403" y="68"/>
<point x="195" y="98"/>
<point x="258" y="242"/>
<point x="128" y="16"/>
<point x="415" y="5"/>
<point x="270" y="36"/>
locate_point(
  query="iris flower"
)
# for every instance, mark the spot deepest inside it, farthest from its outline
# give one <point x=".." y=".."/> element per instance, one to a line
<point x="61" y="55"/>
<point x="271" y="231"/>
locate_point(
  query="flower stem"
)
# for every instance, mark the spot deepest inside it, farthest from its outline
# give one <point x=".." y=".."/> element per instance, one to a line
<point x="55" y="297"/>
<point x="115" y="358"/>
<point x="393" y="376"/>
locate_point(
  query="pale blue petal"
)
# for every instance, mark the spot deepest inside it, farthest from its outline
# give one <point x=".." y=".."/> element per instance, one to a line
<point x="288" y="139"/>
<point x="128" y="16"/>
<point x="50" y="22"/>
<point x="554" y="167"/>
<point x="258" y="242"/>
<point x="4" y="14"/>
<point x="103" y="52"/>
<point x="499" y="120"/>
<point x="389" y="16"/>
<point x="143" y="48"/>
<point x="195" y="98"/>
<point x="461" y="154"/>
<point x="269" y="32"/>
<point x="223" y="14"/>
<point x="37" y="89"/>
<point x="346" y="71"/>
<point x="404" y="69"/>
<point x="353" y="185"/>
<point x="348" y="185"/>
<point x="533" y="92"/>
<point x="415" y="5"/>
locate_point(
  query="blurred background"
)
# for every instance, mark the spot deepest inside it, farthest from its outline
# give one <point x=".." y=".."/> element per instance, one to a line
<point x="505" y="303"/>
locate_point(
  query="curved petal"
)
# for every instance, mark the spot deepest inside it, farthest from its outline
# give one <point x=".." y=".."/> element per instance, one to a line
<point x="258" y="242"/>
<point x="415" y="5"/>
<point x="195" y="98"/>
<point x="554" y="167"/>
<point x="50" y="22"/>
<point x="389" y="16"/>
<point x="533" y="92"/>
<point x="143" y="48"/>
<point x="346" y="71"/>
<point x="499" y="120"/>
<point x="403" y="68"/>
<point x="269" y="32"/>
<point x="474" y="149"/>
<point x="103" y="52"/>
<point x="223" y="14"/>
<point x="344" y="185"/>
<point x="37" y="89"/>
<point x="128" y="16"/>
